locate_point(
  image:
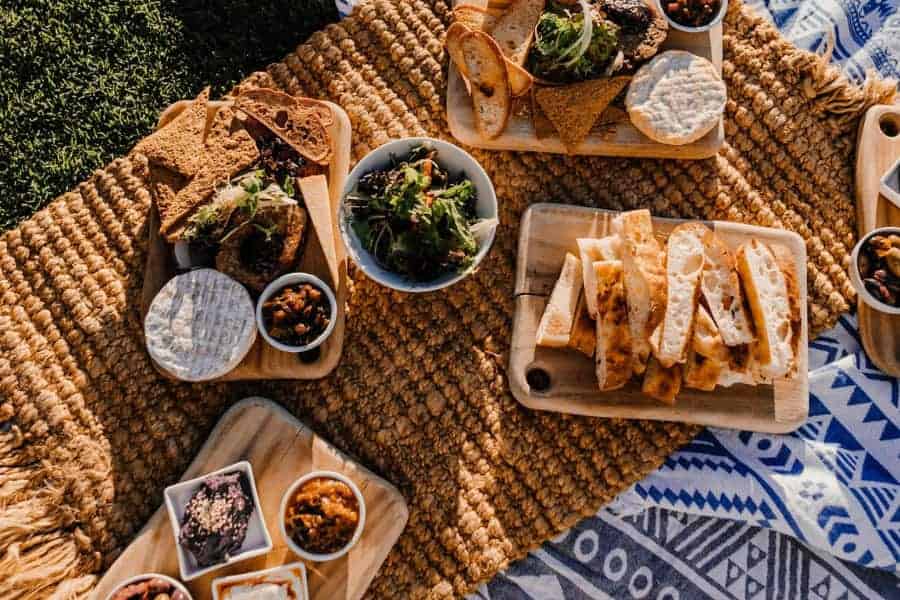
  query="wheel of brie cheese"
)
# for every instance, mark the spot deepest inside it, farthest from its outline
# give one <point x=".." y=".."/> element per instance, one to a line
<point x="200" y="325"/>
<point x="676" y="98"/>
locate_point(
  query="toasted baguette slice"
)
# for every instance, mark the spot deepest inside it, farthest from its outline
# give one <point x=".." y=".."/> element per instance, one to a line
<point x="661" y="383"/>
<point x="721" y="289"/>
<point x="770" y="306"/>
<point x="475" y="17"/>
<point x="613" y="333"/>
<point x="643" y="261"/>
<point x="514" y="29"/>
<point x="591" y="250"/>
<point x="555" y="327"/>
<point x="486" y="70"/>
<point x="583" y="337"/>
<point x="684" y="265"/>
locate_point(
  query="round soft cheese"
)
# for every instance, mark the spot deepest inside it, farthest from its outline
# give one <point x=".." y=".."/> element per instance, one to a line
<point x="200" y="325"/>
<point x="676" y="98"/>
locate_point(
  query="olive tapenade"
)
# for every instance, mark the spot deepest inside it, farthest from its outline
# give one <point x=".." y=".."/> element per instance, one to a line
<point x="693" y="13"/>
<point x="879" y="267"/>
<point x="297" y="314"/>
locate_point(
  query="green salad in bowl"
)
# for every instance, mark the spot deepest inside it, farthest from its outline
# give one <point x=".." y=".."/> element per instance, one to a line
<point x="418" y="214"/>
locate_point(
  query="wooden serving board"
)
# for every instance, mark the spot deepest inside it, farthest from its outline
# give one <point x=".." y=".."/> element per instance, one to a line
<point x="878" y="148"/>
<point x="280" y="448"/>
<point x="547" y="232"/>
<point x="622" y="139"/>
<point x="263" y="361"/>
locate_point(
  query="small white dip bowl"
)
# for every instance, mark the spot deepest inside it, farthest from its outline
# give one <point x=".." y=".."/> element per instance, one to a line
<point x="275" y="287"/>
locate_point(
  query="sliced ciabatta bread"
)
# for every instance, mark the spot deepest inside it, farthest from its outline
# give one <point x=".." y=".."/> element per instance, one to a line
<point x="738" y="368"/>
<point x="584" y="336"/>
<point x="555" y="327"/>
<point x="614" y="348"/>
<point x="708" y="355"/>
<point x="662" y="383"/>
<point x="700" y="372"/>
<point x="591" y="250"/>
<point x="644" y="268"/>
<point x="770" y="307"/>
<point x="684" y="265"/>
<point x="721" y="289"/>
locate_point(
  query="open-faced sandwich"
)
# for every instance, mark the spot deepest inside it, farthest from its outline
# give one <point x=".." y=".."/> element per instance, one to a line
<point x="232" y="186"/>
<point x="573" y="60"/>
<point x="688" y="312"/>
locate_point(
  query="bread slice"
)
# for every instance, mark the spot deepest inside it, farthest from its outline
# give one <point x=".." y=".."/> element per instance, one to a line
<point x="700" y="372"/>
<point x="177" y="146"/>
<point x="721" y="289"/>
<point x="613" y="333"/>
<point x="486" y="68"/>
<point x="474" y="17"/>
<point x="583" y="337"/>
<point x="573" y="109"/>
<point x="520" y="80"/>
<point x="661" y="383"/>
<point x="555" y="327"/>
<point x="770" y="307"/>
<point x="708" y="355"/>
<point x="684" y="265"/>
<point x="738" y="367"/>
<point x="514" y="29"/>
<point x="643" y="261"/>
<point x="590" y="250"/>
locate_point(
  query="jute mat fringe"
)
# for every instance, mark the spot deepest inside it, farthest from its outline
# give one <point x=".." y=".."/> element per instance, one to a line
<point x="90" y="434"/>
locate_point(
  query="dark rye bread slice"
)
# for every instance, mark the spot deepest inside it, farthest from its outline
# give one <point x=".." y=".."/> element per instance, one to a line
<point x="178" y="145"/>
<point x="299" y="122"/>
<point x="574" y="108"/>
<point x="227" y="151"/>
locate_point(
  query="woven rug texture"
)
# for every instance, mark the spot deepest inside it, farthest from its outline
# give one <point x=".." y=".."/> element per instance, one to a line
<point x="90" y="434"/>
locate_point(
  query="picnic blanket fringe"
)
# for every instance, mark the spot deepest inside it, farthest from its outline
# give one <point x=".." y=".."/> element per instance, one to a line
<point x="90" y="434"/>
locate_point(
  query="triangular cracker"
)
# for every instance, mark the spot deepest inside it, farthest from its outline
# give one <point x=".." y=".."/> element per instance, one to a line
<point x="177" y="146"/>
<point x="573" y="108"/>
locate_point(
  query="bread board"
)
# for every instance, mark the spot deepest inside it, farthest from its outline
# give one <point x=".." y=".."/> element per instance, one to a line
<point x="280" y="449"/>
<point x="547" y="232"/>
<point x="621" y="139"/>
<point x="878" y="148"/>
<point x="263" y="361"/>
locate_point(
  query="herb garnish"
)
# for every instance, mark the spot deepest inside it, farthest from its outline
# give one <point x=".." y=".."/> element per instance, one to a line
<point x="413" y="219"/>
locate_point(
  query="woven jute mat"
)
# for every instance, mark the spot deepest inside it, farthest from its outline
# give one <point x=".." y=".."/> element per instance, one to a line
<point x="90" y="434"/>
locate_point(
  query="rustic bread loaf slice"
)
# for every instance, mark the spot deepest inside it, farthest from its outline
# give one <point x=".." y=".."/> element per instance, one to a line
<point x="708" y="355"/>
<point x="583" y="337"/>
<point x="643" y="262"/>
<point x="514" y="29"/>
<point x="613" y="365"/>
<point x="684" y="265"/>
<point x="555" y="327"/>
<point x="591" y="250"/>
<point x="722" y="290"/>
<point x="661" y="383"/>
<point x="770" y="306"/>
<point x="486" y="68"/>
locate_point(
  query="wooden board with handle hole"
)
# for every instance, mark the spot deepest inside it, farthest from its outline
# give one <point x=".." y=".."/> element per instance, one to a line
<point x="878" y="148"/>
<point x="613" y="136"/>
<point x="323" y="255"/>
<point x="280" y="449"/>
<point x="564" y="380"/>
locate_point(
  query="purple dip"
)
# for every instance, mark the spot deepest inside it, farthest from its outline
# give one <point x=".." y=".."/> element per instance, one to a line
<point x="216" y="517"/>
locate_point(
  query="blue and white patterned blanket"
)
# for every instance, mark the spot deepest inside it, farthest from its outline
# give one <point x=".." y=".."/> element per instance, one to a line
<point x="813" y="514"/>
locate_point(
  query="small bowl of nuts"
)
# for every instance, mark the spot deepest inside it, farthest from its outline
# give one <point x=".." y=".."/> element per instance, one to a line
<point x="694" y="16"/>
<point x="875" y="269"/>
<point x="296" y="312"/>
<point x="150" y="586"/>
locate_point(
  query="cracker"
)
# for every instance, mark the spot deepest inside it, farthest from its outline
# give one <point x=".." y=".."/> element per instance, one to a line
<point x="573" y="108"/>
<point x="177" y="146"/>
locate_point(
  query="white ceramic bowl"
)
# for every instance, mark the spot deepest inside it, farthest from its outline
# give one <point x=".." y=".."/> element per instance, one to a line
<point x="359" y="527"/>
<point x="294" y="279"/>
<point x="723" y="8"/>
<point x="173" y="582"/>
<point x="257" y="576"/>
<point x="256" y="542"/>
<point x="453" y="159"/>
<point x="856" y="278"/>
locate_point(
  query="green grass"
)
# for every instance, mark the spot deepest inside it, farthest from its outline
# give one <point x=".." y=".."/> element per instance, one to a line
<point x="82" y="80"/>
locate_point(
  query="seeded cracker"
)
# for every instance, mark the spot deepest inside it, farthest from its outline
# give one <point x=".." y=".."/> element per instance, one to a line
<point x="573" y="108"/>
<point x="178" y="145"/>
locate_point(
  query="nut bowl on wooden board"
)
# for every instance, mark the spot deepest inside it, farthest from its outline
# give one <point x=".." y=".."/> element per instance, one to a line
<point x="564" y="379"/>
<point x="281" y="449"/>
<point x="612" y="133"/>
<point x="320" y="251"/>
<point x="877" y="153"/>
